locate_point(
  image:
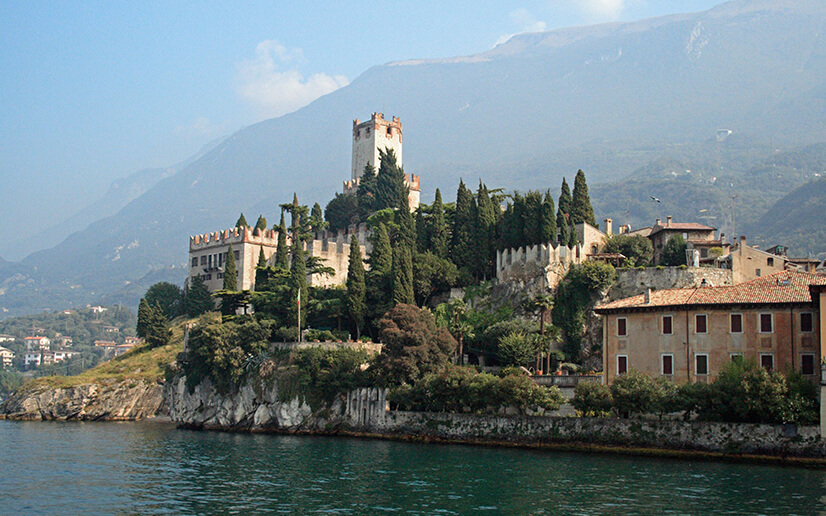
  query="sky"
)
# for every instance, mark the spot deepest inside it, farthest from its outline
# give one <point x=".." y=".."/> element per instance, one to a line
<point x="94" y="91"/>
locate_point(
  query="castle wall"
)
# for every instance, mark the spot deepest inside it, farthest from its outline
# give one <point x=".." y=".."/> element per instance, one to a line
<point x="207" y="254"/>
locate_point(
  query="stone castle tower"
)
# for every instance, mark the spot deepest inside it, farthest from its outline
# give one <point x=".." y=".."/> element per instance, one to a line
<point x="372" y="135"/>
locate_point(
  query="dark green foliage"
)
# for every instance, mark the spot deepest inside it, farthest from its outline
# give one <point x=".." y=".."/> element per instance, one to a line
<point x="342" y="212"/>
<point x="380" y="277"/>
<point x="197" y="299"/>
<point x="520" y="210"/>
<point x="637" y="249"/>
<point x="508" y="238"/>
<point x="158" y="332"/>
<point x="532" y="232"/>
<point x="402" y="276"/>
<point x="282" y="254"/>
<point x="144" y="311"/>
<point x="673" y="253"/>
<point x="391" y="191"/>
<point x="581" y="209"/>
<point x="241" y="222"/>
<point x="592" y="399"/>
<point x="413" y="345"/>
<point x="547" y="222"/>
<point x="438" y="228"/>
<point x="298" y="285"/>
<point x="462" y="245"/>
<point x="167" y="296"/>
<point x="422" y="230"/>
<point x="366" y="193"/>
<point x="10" y="381"/>
<point x="261" y="223"/>
<point x="432" y="275"/>
<point x="518" y="349"/>
<point x="493" y="334"/>
<point x="218" y="351"/>
<point x="260" y="269"/>
<point x="563" y="228"/>
<point x="565" y="201"/>
<point x="572" y="237"/>
<point x="576" y="294"/>
<point x="317" y="223"/>
<point x="230" y="272"/>
<point x="485" y="234"/>
<point x="356" y="287"/>
<point x="322" y="375"/>
<point x="635" y="393"/>
<point x="459" y="389"/>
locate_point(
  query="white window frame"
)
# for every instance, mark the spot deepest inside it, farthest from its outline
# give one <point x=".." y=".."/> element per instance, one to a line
<point x="626" y="327"/>
<point x="662" y="329"/>
<point x="814" y="363"/>
<point x="618" y="364"/>
<point x="695" y="324"/>
<point x="662" y="364"/>
<point x="760" y="323"/>
<point x="774" y="366"/>
<point x="708" y="366"/>
<point x="741" y="323"/>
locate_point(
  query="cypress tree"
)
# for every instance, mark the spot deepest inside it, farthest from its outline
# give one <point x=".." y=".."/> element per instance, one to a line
<point x="438" y="228"/>
<point x="143" y="318"/>
<point x="298" y="283"/>
<point x="282" y="257"/>
<point x="390" y="188"/>
<point x="230" y="273"/>
<point x="461" y="249"/>
<point x="198" y="300"/>
<point x="261" y="269"/>
<point x="581" y="208"/>
<point x="261" y="223"/>
<point x="422" y="231"/>
<point x="563" y="210"/>
<point x="547" y="223"/>
<point x="407" y="225"/>
<point x="485" y="233"/>
<point x="565" y="200"/>
<point x="356" y="287"/>
<point x="317" y="223"/>
<point x="532" y="218"/>
<point x="518" y="228"/>
<point x="158" y="332"/>
<point x="379" y="277"/>
<point x="403" y="276"/>
<point x="381" y="258"/>
<point x="572" y="238"/>
<point x="242" y="222"/>
<point x="366" y="193"/>
<point x="506" y="237"/>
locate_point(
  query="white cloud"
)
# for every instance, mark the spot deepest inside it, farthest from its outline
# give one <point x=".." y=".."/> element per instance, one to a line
<point x="601" y="9"/>
<point x="272" y="84"/>
<point x="525" y="22"/>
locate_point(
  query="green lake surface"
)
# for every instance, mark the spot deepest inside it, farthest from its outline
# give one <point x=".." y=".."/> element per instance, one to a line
<point x="154" y="468"/>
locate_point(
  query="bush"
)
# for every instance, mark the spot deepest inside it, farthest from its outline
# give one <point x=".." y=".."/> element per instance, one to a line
<point x="636" y="248"/>
<point x="634" y="393"/>
<point x="286" y="334"/>
<point x="319" y="335"/>
<point x="517" y="349"/>
<point x="593" y="399"/>
<point x="322" y="374"/>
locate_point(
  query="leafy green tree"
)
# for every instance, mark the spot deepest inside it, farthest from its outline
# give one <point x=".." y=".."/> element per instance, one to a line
<point x="282" y="256"/>
<point x="317" y="223"/>
<point x="673" y="252"/>
<point x="261" y="223"/>
<point x="197" y="299"/>
<point x="230" y="272"/>
<point x="547" y="223"/>
<point x="431" y="275"/>
<point x="167" y="296"/>
<point x="366" y="193"/>
<point x="593" y="399"/>
<point x="241" y="222"/>
<point x="438" y="228"/>
<point x="356" y="287"/>
<point x="518" y="349"/>
<point x="413" y="345"/>
<point x="391" y="191"/>
<point x="403" y="276"/>
<point x="634" y="393"/>
<point x="581" y="208"/>
<point x="342" y="212"/>
<point x="143" y="318"/>
<point x="637" y="249"/>
<point x="462" y="246"/>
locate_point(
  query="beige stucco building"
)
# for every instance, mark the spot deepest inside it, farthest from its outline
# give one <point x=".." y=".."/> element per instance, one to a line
<point x="690" y="334"/>
<point x="208" y="252"/>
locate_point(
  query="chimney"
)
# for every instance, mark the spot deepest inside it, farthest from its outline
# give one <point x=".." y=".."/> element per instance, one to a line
<point x="648" y="296"/>
<point x="659" y="221"/>
<point x="743" y="240"/>
<point x="668" y="220"/>
<point x="609" y="227"/>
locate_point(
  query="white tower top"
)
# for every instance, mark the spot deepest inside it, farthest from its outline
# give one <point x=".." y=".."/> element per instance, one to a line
<point x="372" y="135"/>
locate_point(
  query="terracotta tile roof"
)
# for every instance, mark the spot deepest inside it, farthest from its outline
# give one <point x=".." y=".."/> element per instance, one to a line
<point x="780" y="288"/>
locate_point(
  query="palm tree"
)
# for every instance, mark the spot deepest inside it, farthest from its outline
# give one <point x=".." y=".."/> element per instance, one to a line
<point x="544" y="303"/>
<point x="459" y="328"/>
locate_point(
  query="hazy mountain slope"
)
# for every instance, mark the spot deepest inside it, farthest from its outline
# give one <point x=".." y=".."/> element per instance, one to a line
<point x="519" y="116"/>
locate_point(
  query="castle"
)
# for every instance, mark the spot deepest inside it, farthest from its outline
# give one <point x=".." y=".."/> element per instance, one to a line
<point x="208" y="252"/>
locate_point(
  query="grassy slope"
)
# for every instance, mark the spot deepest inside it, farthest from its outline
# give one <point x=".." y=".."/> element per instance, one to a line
<point x="139" y="364"/>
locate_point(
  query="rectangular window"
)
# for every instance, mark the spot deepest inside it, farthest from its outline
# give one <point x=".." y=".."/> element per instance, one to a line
<point x="770" y="262"/>
<point x="622" y="326"/>
<point x="766" y="323"/>
<point x="736" y="357"/>
<point x="757" y="272"/>
<point x="668" y="364"/>
<point x="622" y="364"/>
<point x="701" y="364"/>
<point x="195" y="262"/>
<point x="221" y="257"/>
<point x="767" y="361"/>
<point x="237" y="255"/>
<point x="667" y="329"/>
<point x="701" y="323"/>
<point x="736" y="323"/>
<point x="806" y="322"/>
<point x="209" y="261"/>
<point x="203" y="260"/>
<point x="807" y="363"/>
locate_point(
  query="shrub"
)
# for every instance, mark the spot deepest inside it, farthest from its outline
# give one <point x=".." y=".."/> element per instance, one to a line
<point x="517" y="349"/>
<point x="593" y="399"/>
<point x="634" y="393"/>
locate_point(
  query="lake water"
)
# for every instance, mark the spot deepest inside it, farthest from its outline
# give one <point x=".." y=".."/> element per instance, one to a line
<point x="154" y="468"/>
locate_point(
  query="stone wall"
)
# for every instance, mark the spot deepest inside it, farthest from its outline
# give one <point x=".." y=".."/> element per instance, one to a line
<point x="633" y="282"/>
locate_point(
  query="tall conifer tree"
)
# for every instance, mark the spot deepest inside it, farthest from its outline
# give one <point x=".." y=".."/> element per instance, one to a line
<point x="241" y="222"/>
<point x="438" y="228"/>
<point x="356" y="287"/>
<point x="519" y="212"/>
<point x="260" y="269"/>
<point x="261" y="223"/>
<point x="317" y="223"/>
<point x="581" y="208"/>
<point x="532" y="218"/>
<point x="403" y="276"/>
<point x="282" y="256"/>
<point x="298" y="284"/>
<point x="563" y="211"/>
<point x="230" y="272"/>
<point x="485" y="233"/>
<point x="198" y="300"/>
<point x="143" y="318"/>
<point x="461" y="248"/>
<point x="547" y="224"/>
<point x="366" y="193"/>
<point x="390" y="187"/>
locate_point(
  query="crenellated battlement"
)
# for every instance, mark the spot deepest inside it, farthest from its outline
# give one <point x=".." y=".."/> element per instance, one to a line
<point x="343" y="236"/>
<point x="548" y="261"/>
<point x="234" y="235"/>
